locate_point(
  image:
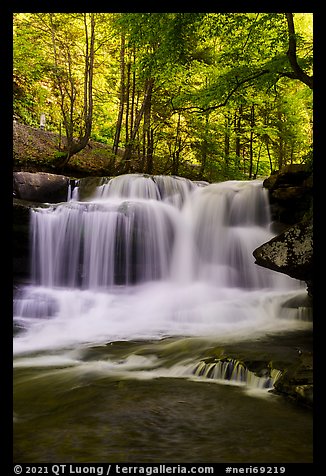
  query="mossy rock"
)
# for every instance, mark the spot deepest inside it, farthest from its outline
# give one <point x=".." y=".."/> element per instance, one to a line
<point x="297" y="381"/>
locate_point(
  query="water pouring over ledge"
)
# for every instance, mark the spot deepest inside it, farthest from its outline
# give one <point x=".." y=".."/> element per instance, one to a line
<point x="150" y="257"/>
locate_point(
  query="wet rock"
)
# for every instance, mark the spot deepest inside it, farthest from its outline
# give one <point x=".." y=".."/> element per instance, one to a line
<point x="40" y="187"/>
<point x="293" y="174"/>
<point x="21" y="217"/>
<point x="297" y="381"/>
<point x="290" y="193"/>
<point x="290" y="253"/>
<point x="87" y="186"/>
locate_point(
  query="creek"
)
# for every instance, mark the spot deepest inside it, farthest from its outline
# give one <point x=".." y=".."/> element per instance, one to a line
<point x="148" y="334"/>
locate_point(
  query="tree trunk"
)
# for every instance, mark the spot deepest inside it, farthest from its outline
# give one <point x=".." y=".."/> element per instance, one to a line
<point x="147" y="97"/>
<point x="149" y="152"/>
<point x="251" y="140"/>
<point x="122" y="96"/>
<point x="269" y="157"/>
<point x="133" y="92"/>
<point x="281" y="158"/>
<point x="127" y="101"/>
<point x="227" y="141"/>
<point x="176" y="149"/>
<point x="148" y="134"/>
<point x="204" y="145"/>
<point x="292" y="54"/>
<point x="257" y="163"/>
<point x="237" y="121"/>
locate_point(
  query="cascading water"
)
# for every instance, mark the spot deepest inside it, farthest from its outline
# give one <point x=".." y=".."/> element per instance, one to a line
<point x="133" y="294"/>
<point x="151" y="257"/>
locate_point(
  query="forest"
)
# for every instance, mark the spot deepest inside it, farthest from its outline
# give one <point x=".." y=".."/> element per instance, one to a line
<point x="163" y="291"/>
<point x="209" y="96"/>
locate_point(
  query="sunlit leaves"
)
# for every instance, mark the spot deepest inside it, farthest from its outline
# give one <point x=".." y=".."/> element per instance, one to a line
<point x="208" y="68"/>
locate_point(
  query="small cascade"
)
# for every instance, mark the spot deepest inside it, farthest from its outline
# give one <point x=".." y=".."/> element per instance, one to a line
<point x="72" y="193"/>
<point x="235" y="371"/>
<point x="129" y="186"/>
<point x="155" y="187"/>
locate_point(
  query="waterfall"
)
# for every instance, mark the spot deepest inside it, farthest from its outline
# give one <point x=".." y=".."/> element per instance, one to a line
<point x="133" y="230"/>
<point x="102" y="244"/>
<point x="148" y="257"/>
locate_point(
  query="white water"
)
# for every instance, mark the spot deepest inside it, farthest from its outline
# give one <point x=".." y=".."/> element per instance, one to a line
<point x="148" y="258"/>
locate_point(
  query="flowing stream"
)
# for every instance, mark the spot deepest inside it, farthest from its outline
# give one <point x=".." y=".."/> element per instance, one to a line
<point x="133" y="337"/>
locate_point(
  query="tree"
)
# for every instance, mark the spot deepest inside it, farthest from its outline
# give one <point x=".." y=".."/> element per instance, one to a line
<point x="68" y="87"/>
<point x="252" y="55"/>
<point x="298" y="72"/>
<point x="65" y="47"/>
<point x="206" y="95"/>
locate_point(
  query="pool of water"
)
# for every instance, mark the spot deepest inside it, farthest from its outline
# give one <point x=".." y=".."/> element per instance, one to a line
<point x="135" y="402"/>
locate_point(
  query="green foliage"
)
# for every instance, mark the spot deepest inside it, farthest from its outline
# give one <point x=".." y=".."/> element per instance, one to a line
<point x="223" y="93"/>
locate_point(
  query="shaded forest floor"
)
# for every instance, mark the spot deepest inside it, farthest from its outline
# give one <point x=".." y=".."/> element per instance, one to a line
<point x="34" y="151"/>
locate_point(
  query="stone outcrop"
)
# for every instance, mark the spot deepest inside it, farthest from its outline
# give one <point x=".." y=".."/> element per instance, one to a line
<point x="290" y="193"/>
<point x="290" y="253"/>
<point x="40" y="187"/>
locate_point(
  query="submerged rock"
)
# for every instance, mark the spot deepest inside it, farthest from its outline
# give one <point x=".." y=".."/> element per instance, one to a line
<point x="279" y="364"/>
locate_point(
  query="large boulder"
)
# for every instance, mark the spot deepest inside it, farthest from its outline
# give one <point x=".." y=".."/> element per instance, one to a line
<point x="40" y="187"/>
<point x="293" y="174"/>
<point x="290" y="253"/>
<point x="290" y="193"/>
<point x="291" y="200"/>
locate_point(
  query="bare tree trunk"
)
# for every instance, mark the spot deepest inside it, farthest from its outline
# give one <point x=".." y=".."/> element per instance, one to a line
<point x="127" y="101"/>
<point x="204" y="145"/>
<point x="133" y="92"/>
<point x="176" y="149"/>
<point x="237" y="121"/>
<point x="148" y="134"/>
<point x="251" y="140"/>
<point x="258" y="159"/>
<point x="269" y="157"/>
<point x="147" y="97"/>
<point x="149" y="151"/>
<point x="280" y="145"/>
<point x="122" y="96"/>
<point x="227" y="141"/>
